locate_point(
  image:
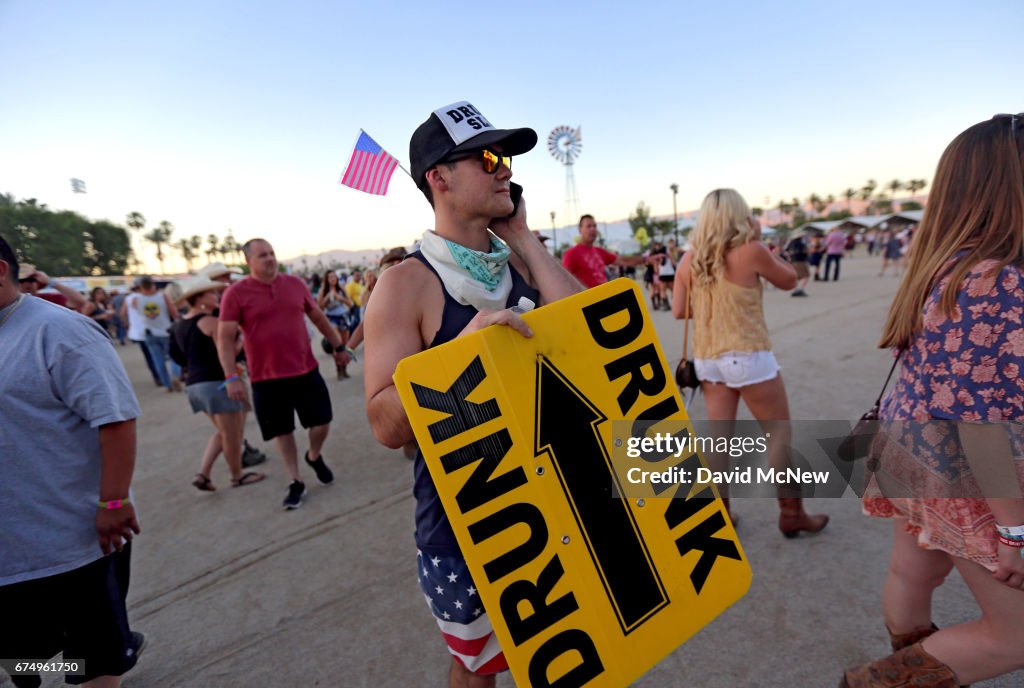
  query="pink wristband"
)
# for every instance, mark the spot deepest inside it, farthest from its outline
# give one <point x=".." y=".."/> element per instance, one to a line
<point x="114" y="504"/>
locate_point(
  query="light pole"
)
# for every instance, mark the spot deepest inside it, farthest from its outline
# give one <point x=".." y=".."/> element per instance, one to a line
<point x="554" y="234"/>
<point x="675" y="214"/>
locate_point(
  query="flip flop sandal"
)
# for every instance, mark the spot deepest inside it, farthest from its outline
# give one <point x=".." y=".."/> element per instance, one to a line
<point x="203" y="482"/>
<point x="247" y="479"/>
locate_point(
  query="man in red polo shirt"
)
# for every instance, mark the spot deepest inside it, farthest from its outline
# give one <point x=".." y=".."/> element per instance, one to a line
<point x="270" y="308"/>
<point x="587" y="261"/>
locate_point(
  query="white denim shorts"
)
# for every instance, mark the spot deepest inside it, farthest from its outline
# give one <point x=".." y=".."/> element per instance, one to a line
<point x="738" y="369"/>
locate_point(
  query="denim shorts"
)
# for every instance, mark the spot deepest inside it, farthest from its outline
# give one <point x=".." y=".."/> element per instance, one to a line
<point x="738" y="369"/>
<point x="211" y="397"/>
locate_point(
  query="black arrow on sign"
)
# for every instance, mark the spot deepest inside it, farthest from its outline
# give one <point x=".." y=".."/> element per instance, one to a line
<point x="566" y="429"/>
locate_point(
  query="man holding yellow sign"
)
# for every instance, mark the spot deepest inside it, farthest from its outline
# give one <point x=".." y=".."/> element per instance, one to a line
<point x="460" y="281"/>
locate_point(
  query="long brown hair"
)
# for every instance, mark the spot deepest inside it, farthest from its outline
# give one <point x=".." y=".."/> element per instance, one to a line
<point x="976" y="207"/>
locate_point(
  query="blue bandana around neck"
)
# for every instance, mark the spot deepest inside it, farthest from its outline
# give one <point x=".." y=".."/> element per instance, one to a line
<point x="486" y="268"/>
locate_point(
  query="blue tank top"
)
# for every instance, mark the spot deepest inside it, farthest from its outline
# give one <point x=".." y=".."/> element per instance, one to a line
<point x="433" y="532"/>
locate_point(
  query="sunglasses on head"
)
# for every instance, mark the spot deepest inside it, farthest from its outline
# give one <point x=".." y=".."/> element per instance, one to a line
<point x="490" y="160"/>
<point x="1016" y="122"/>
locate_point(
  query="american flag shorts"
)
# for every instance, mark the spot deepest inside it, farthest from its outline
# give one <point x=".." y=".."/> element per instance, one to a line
<point x="456" y="606"/>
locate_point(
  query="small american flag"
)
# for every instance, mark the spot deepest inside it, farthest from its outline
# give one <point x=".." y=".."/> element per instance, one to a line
<point x="370" y="167"/>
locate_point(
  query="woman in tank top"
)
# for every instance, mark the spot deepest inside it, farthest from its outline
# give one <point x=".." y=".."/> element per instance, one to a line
<point x="731" y="349"/>
<point x="193" y="347"/>
<point x="336" y="305"/>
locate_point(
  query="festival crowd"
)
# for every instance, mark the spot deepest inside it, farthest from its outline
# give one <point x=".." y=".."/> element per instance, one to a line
<point x="236" y="344"/>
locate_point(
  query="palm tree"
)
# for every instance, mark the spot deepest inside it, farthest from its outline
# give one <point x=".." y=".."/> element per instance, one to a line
<point x="195" y="242"/>
<point x="913" y="186"/>
<point x="817" y="203"/>
<point x="184" y="246"/>
<point x="230" y="248"/>
<point x="160" y="235"/>
<point x="136" y="221"/>
<point x="894" y="186"/>
<point x="213" y="241"/>
<point x="865" y="194"/>
<point x="849" y="194"/>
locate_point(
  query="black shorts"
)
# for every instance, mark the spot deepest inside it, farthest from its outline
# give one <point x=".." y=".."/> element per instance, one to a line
<point x="277" y="401"/>
<point x="81" y="613"/>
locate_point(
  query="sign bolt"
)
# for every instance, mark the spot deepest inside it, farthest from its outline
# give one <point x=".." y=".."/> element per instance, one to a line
<point x="565" y="539"/>
<point x="640" y="502"/>
<point x="540" y="470"/>
<point x="618" y="443"/>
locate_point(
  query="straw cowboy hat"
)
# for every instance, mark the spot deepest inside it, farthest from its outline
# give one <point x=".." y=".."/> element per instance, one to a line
<point x="26" y="270"/>
<point x="215" y="270"/>
<point x="196" y="285"/>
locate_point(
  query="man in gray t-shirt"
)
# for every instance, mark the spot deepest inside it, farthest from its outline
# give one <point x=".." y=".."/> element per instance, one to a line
<point x="67" y="454"/>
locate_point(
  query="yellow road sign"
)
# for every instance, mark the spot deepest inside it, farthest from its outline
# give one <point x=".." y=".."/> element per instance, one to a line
<point x="584" y="586"/>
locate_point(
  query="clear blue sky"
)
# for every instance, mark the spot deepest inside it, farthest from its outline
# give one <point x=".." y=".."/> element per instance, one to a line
<point x="242" y="115"/>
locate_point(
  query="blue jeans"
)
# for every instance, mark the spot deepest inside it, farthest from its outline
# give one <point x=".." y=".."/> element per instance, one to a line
<point x="831" y="260"/>
<point x="159" y="348"/>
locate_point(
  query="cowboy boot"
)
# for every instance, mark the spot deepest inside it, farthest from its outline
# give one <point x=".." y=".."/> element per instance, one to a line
<point x="793" y="519"/>
<point x="911" y="667"/>
<point x="902" y="640"/>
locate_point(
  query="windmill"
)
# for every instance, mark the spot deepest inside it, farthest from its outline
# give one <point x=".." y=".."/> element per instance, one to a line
<point x="565" y="144"/>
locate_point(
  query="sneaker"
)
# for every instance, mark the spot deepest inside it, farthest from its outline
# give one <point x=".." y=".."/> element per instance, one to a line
<point x="296" y="490"/>
<point x="799" y="292"/>
<point x="323" y="473"/>
<point x="251" y="456"/>
<point x="136" y="645"/>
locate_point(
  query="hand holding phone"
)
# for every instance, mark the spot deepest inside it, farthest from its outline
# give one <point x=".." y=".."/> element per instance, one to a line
<point x="515" y="192"/>
<point x="500" y="225"/>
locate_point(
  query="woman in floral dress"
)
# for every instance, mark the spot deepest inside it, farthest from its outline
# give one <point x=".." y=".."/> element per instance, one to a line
<point x="950" y="473"/>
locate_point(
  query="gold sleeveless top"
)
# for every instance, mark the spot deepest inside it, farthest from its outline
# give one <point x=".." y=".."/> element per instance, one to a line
<point x="728" y="317"/>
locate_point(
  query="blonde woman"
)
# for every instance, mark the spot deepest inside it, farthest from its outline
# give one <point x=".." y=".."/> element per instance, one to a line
<point x="731" y="349"/>
<point x="954" y="420"/>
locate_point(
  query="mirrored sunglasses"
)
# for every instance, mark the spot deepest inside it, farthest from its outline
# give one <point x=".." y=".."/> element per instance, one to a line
<point x="490" y="160"/>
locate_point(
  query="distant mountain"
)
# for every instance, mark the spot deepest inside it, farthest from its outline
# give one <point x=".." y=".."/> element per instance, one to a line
<point x="367" y="258"/>
<point x="612" y="232"/>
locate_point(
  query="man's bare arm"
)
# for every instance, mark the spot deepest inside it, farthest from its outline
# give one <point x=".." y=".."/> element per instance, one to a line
<point x="629" y="261"/>
<point x="341" y="356"/>
<point x="227" y="335"/>
<point x="326" y="329"/>
<point x="117" y="453"/>
<point x="75" y="300"/>
<point x="392" y="327"/>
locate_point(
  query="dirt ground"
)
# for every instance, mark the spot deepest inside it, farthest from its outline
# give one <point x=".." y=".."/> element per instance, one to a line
<point x="233" y="591"/>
